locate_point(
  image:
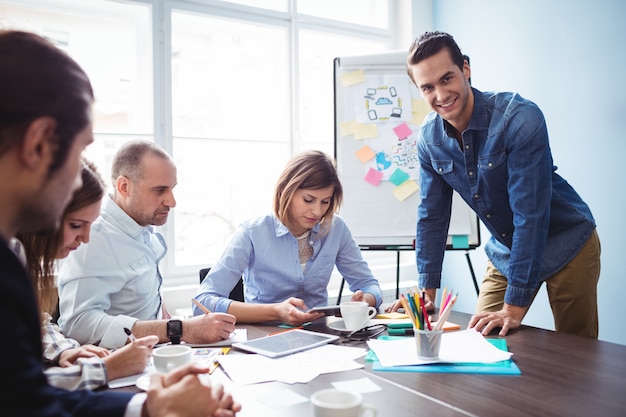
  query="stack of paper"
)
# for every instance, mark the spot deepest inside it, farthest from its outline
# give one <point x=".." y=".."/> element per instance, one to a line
<point x="465" y="346"/>
<point x="300" y="367"/>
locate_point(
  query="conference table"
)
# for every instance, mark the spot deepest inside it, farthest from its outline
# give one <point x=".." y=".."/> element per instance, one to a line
<point x="562" y="375"/>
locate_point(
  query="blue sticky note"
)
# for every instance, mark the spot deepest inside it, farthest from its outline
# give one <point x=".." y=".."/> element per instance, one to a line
<point x="460" y="241"/>
<point x="398" y="177"/>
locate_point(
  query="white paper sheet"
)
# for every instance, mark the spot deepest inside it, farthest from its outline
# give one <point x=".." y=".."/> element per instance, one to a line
<point x="300" y="367"/>
<point x="464" y="346"/>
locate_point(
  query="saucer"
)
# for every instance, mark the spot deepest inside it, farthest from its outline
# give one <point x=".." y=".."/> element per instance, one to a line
<point x="339" y="326"/>
<point x="143" y="382"/>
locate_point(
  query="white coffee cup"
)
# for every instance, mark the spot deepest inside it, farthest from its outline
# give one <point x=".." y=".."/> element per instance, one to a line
<point x="338" y="403"/>
<point x="356" y="314"/>
<point x="169" y="357"/>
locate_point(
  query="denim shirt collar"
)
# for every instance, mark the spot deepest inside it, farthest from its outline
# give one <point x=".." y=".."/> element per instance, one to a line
<point x="480" y="115"/>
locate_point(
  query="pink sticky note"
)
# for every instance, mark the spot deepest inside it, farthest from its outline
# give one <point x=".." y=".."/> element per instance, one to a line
<point x="373" y="176"/>
<point x="403" y="131"/>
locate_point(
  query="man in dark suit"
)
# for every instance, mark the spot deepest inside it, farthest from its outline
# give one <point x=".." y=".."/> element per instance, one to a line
<point x="45" y="123"/>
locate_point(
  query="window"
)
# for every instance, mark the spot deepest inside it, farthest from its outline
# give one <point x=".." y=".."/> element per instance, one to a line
<point x="231" y="88"/>
<point x="112" y="42"/>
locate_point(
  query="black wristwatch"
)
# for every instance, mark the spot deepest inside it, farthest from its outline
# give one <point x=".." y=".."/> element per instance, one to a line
<point x="174" y="331"/>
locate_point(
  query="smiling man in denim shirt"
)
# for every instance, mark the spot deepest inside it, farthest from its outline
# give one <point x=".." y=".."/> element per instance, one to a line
<point x="493" y="149"/>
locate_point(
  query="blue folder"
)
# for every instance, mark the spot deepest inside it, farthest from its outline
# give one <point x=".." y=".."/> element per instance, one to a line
<point x="507" y="367"/>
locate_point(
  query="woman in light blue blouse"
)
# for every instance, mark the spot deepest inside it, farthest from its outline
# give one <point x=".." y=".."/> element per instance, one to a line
<point x="286" y="258"/>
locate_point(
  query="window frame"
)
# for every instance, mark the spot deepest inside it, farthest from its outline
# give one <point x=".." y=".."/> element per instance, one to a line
<point x="187" y="275"/>
<point x="399" y="22"/>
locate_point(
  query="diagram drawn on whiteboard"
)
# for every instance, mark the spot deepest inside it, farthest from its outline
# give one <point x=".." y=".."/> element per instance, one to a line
<point x="392" y="153"/>
<point x="382" y="98"/>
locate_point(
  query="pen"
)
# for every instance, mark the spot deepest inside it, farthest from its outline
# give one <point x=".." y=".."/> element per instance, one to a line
<point x="213" y="362"/>
<point x="200" y="306"/>
<point x="130" y="334"/>
<point x="400" y="332"/>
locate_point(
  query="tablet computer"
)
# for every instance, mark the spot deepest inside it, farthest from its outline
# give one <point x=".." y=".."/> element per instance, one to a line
<point x="286" y="342"/>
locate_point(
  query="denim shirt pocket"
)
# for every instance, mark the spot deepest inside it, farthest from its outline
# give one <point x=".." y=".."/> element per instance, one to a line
<point x="491" y="161"/>
<point x="493" y="172"/>
<point x="445" y="168"/>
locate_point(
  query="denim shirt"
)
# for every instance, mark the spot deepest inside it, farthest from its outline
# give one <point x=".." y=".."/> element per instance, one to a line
<point x="266" y="253"/>
<point x="505" y="173"/>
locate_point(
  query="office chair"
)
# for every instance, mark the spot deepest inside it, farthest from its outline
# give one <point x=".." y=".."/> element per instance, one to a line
<point x="237" y="292"/>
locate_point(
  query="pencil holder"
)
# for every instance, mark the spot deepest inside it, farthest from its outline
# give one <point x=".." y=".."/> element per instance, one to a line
<point x="428" y="343"/>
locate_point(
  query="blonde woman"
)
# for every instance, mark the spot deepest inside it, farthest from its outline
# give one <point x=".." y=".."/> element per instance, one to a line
<point x="287" y="257"/>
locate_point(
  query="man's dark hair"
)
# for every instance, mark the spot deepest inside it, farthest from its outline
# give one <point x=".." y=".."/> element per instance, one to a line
<point x="39" y="80"/>
<point x="431" y="43"/>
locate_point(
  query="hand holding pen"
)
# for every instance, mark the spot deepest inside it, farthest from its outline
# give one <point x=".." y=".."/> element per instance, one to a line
<point x="130" y="334"/>
<point x="201" y="306"/>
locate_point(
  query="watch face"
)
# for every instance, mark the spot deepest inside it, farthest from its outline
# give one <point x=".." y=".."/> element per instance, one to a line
<point x="174" y="328"/>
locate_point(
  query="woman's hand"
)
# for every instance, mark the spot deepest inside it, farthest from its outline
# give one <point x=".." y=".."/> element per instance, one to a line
<point x="69" y="356"/>
<point x="130" y="359"/>
<point x="364" y="296"/>
<point x="293" y="312"/>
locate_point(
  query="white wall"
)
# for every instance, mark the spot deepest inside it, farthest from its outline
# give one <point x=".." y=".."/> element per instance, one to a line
<point x="568" y="57"/>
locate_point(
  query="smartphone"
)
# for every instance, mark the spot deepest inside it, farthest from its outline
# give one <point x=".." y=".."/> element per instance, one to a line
<point x="328" y="310"/>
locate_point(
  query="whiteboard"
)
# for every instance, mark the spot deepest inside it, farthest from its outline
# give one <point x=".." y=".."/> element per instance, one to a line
<point x="375" y="106"/>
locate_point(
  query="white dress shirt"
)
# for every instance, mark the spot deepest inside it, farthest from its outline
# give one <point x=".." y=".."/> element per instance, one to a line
<point x="112" y="281"/>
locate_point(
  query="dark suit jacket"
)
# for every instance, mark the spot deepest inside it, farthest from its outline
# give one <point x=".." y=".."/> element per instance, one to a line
<point x="24" y="390"/>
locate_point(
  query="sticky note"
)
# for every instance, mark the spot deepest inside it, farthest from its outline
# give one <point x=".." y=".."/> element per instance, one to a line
<point x="365" y="131"/>
<point x="404" y="190"/>
<point x="398" y="177"/>
<point x="419" y="111"/>
<point x="403" y="131"/>
<point x="347" y="128"/>
<point x="460" y="241"/>
<point x="373" y="176"/>
<point x="352" y="78"/>
<point x="394" y="315"/>
<point x="365" y="154"/>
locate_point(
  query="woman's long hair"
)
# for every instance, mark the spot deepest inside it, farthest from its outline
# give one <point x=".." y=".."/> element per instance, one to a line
<point x="41" y="249"/>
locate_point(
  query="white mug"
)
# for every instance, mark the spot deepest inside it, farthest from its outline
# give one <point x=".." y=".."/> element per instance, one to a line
<point x="168" y="357"/>
<point x="338" y="403"/>
<point x="356" y="314"/>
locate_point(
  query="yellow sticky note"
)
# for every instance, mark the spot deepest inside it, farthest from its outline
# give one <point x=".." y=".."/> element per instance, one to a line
<point x="365" y="131"/>
<point x="394" y="315"/>
<point x="420" y="110"/>
<point x="365" y="154"/>
<point x="347" y="128"/>
<point x="352" y="78"/>
<point x="404" y="190"/>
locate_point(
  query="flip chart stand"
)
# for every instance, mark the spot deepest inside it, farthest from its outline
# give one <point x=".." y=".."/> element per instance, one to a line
<point x="471" y="268"/>
<point x="399" y="248"/>
<point x="396" y="248"/>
